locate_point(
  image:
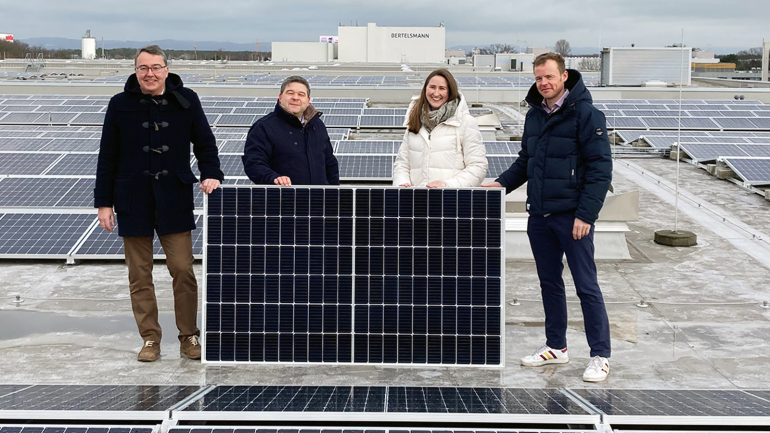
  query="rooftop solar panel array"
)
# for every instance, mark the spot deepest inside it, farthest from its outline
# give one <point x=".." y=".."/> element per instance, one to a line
<point x="692" y="114"/>
<point x="371" y="409"/>
<point x="354" y="275"/>
<point x="220" y="111"/>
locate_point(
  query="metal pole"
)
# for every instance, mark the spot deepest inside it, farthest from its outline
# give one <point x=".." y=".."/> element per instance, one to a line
<point x="679" y="139"/>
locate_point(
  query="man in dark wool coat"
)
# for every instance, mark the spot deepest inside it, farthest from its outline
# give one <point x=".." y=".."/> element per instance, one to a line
<point x="144" y="173"/>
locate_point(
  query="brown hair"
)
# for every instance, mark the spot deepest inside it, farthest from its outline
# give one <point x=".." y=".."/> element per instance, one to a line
<point x="295" y="79"/>
<point x="556" y="57"/>
<point x="414" y="123"/>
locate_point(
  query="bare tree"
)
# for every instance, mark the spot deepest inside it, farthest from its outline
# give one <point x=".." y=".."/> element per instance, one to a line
<point x="562" y="47"/>
<point x="589" y="64"/>
<point x="497" y="48"/>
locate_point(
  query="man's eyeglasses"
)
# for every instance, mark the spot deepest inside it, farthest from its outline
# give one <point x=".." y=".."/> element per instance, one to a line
<point x="154" y="68"/>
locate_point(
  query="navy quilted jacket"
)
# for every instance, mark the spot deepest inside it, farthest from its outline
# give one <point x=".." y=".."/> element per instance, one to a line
<point x="565" y="157"/>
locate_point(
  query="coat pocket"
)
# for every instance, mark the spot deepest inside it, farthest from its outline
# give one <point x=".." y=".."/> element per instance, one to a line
<point x="186" y="181"/>
<point x="121" y="196"/>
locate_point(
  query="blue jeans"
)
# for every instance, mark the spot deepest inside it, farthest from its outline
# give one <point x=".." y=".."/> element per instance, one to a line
<point x="551" y="238"/>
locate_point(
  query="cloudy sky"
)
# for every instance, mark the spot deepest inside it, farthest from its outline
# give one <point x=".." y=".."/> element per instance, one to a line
<point x="707" y="24"/>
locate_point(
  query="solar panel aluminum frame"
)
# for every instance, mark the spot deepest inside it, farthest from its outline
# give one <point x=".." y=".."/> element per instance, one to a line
<point x="658" y="419"/>
<point x="204" y="289"/>
<point x="96" y="415"/>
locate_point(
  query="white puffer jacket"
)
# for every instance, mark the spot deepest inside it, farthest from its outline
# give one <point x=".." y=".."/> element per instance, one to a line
<point x="453" y="152"/>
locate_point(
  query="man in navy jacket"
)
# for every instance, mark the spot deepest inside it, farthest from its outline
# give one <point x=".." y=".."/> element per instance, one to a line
<point x="144" y="172"/>
<point x="565" y="158"/>
<point x="291" y="145"/>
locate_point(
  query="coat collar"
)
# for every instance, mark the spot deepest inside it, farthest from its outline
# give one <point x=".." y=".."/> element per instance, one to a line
<point x="310" y="113"/>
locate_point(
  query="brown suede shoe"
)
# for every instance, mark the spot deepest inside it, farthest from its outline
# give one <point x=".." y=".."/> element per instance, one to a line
<point x="190" y="347"/>
<point x="150" y="352"/>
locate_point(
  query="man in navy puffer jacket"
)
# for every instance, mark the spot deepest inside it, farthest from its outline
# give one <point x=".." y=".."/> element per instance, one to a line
<point x="565" y="158"/>
<point x="290" y="146"/>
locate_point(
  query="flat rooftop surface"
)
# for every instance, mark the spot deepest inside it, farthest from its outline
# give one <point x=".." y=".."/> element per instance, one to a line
<point x="704" y="327"/>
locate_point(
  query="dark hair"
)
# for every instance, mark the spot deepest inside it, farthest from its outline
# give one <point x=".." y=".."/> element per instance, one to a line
<point x="151" y="49"/>
<point x="556" y="57"/>
<point x="414" y="123"/>
<point x="295" y="79"/>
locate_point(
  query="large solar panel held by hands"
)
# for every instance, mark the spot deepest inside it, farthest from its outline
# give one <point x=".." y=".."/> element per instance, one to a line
<point x="406" y="276"/>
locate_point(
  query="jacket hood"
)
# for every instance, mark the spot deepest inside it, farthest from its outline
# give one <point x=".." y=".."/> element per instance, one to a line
<point x="174" y="87"/>
<point x="574" y="83"/>
<point x="173" y="82"/>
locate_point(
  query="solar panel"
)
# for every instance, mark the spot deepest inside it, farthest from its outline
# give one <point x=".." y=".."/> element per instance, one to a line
<point x="236" y="119"/>
<point x="383" y="121"/>
<point x="225" y="110"/>
<point x="103" y="244"/>
<point x="23" y="144"/>
<point x="349" y="121"/>
<point x="76" y="164"/>
<point x="650" y="406"/>
<point x="282" y="284"/>
<point x="21" y="117"/>
<point x="754" y="171"/>
<point x="26" y="163"/>
<point x="498" y="165"/>
<point x="380" y="403"/>
<point x="89" y="119"/>
<point x="365" y="167"/>
<point x="71" y="401"/>
<point x="231" y="165"/>
<point x="34" y="192"/>
<point x="734" y="123"/>
<point x="389" y="147"/>
<point x="625" y="122"/>
<point x="64" y="428"/>
<point x="761" y="123"/>
<point x="710" y="152"/>
<point x="232" y="146"/>
<point x="41" y="235"/>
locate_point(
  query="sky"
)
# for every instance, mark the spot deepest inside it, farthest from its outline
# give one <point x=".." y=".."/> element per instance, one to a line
<point x="707" y="24"/>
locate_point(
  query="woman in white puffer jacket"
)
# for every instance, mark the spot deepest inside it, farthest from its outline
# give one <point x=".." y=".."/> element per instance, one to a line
<point x="442" y="146"/>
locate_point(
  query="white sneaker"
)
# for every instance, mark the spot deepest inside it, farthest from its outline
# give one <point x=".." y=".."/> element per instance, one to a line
<point x="597" y="370"/>
<point x="546" y="355"/>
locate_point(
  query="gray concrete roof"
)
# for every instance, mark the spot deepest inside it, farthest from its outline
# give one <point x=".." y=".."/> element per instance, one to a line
<point x="704" y="328"/>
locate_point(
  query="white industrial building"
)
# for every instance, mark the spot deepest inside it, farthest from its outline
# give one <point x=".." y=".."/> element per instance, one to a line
<point x="315" y="52"/>
<point x="6" y="37"/>
<point x="369" y="44"/>
<point x="630" y="66"/>
<point x="374" y="44"/>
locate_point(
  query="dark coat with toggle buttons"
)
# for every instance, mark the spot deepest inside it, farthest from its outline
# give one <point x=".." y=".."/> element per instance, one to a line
<point x="144" y="169"/>
<point x="279" y="145"/>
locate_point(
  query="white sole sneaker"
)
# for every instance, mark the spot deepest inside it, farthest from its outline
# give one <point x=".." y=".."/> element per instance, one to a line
<point x="544" y="356"/>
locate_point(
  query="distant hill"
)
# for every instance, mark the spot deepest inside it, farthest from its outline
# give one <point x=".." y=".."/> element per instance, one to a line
<point x="169" y="44"/>
<point x="576" y="51"/>
<point x="585" y="51"/>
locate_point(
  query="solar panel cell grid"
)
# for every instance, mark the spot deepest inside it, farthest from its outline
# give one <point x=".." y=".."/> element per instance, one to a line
<point x="96" y="398"/>
<point x="280" y="276"/>
<point x="691" y="403"/>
